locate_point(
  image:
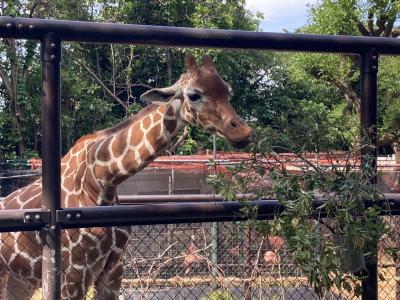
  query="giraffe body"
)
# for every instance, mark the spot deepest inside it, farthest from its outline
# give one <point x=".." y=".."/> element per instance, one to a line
<point x="90" y="174"/>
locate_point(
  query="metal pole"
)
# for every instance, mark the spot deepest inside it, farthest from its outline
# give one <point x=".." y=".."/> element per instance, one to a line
<point x="51" y="152"/>
<point x="214" y="227"/>
<point x="368" y="118"/>
<point x="81" y="31"/>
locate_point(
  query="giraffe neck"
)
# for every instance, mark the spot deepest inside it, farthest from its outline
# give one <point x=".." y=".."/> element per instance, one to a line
<point x="127" y="148"/>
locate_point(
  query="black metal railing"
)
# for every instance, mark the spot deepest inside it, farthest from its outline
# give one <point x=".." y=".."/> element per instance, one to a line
<point x="51" y="220"/>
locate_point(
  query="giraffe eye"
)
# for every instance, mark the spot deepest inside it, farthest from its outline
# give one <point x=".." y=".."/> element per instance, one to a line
<point x="194" y="97"/>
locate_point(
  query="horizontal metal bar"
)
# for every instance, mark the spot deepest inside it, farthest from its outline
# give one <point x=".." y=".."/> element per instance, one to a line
<point x="80" y="31"/>
<point x="160" y="213"/>
<point x="145" y="199"/>
<point x="19" y="176"/>
<point x="166" y="213"/>
<point x="392" y="198"/>
<point x="37" y="217"/>
<point x="191" y="161"/>
<point x="12" y="220"/>
<point x="188" y="212"/>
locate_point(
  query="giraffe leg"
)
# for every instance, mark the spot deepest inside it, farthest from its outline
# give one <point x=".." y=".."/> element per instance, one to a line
<point x="3" y="282"/>
<point x="75" y="283"/>
<point x="18" y="290"/>
<point x="109" y="281"/>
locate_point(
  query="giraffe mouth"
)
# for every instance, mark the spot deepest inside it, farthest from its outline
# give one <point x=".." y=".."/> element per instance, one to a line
<point x="241" y="144"/>
<point x="237" y="144"/>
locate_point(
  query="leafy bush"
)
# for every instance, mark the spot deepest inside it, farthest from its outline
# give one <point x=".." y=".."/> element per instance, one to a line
<point x="348" y="212"/>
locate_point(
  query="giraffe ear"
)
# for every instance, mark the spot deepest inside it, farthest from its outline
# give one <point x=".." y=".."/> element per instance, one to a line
<point x="208" y="62"/>
<point x="161" y="96"/>
<point x="190" y="62"/>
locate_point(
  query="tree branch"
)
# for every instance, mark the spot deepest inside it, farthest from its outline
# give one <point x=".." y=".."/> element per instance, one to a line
<point x="389" y="28"/>
<point x="133" y="85"/>
<point x="99" y="81"/>
<point x="364" y="31"/>
<point x="32" y="10"/>
<point x="370" y="21"/>
<point x="179" y="141"/>
<point x="348" y="92"/>
<point x="350" y="95"/>
<point x="381" y="26"/>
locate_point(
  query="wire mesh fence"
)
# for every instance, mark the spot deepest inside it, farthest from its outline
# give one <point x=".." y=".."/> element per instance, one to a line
<point x="222" y="260"/>
<point x="388" y="264"/>
<point x="208" y="261"/>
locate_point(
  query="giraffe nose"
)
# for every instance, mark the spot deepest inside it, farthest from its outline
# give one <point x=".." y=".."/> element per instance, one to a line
<point x="237" y="132"/>
<point x="233" y="123"/>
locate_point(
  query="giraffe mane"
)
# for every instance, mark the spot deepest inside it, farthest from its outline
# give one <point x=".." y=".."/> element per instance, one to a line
<point x="127" y="122"/>
<point x="86" y="137"/>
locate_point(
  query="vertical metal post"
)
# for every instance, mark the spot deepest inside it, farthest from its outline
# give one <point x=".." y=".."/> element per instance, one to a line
<point x="51" y="152"/>
<point x="368" y="118"/>
<point x="248" y="263"/>
<point x="214" y="225"/>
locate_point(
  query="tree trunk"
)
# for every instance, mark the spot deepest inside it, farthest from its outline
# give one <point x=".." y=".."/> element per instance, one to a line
<point x="169" y="66"/>
<point x="12" y="92"/>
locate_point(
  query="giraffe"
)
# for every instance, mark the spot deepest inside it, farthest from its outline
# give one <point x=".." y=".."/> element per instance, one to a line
<point x="91" y="172"/>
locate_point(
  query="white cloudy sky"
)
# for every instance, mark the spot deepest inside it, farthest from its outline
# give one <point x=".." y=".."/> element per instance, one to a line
<point x="281" y="14"/>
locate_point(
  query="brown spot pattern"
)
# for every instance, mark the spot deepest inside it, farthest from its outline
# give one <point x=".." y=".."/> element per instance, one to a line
<point x="144" y="153"/>
<point x="137" y="134"/>
<point x="119" y="143"/>
<point x="129" y="161"/>
<point x="156" y="117"/>
<point x="102" y="172"/>
<point x="146" y="122"/>
<point x="153" y="134"/>
<point x="170" y="111"/>
<point x="103" y="154"/>
<point x="170" y="125"/>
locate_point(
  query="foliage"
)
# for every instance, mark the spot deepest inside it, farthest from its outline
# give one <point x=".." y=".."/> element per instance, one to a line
<point x="345" y="192"/>
<point x="190" y="146"/>
<point x="389" y="100"/>
<point x="219" y="295"/>
<point x="311" y="230"/>
<point x="340" y="73"/>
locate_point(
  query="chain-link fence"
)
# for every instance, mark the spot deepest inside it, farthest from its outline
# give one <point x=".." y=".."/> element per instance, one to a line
<point x="222" y="260"/>
<point x="209" y="261"/>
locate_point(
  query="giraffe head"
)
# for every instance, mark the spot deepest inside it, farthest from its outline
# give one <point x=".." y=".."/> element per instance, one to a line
<point x="202" y="98"/>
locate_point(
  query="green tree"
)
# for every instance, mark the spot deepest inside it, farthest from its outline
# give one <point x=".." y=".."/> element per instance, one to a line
<point x="101" y="82"/>
<point x="341" y="72"/>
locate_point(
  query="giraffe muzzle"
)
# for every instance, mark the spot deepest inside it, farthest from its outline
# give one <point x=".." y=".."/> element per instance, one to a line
<point x="241" y="144"/>
<point x="238" y="133"/>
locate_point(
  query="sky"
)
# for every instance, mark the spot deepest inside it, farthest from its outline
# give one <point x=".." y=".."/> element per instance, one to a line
<point x="281" y="14"/>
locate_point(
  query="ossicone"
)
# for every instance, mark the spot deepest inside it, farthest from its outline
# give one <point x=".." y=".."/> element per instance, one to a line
<point x="208" y="62"/>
